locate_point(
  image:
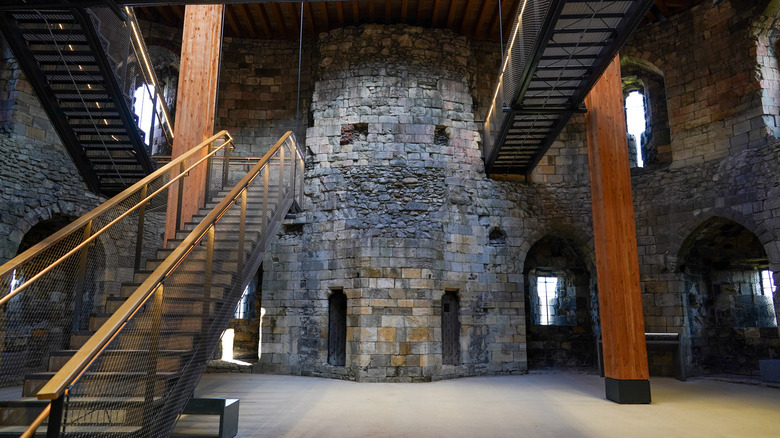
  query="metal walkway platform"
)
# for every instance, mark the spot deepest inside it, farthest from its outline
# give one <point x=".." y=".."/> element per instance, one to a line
<point x="557" y="52"/>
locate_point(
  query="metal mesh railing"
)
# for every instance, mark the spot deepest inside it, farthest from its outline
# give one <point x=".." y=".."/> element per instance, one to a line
<point x="48" y="292"/>
<point x="524" y="37"/>
<point x="125" y="47"/>
<point x="136" y="373"/>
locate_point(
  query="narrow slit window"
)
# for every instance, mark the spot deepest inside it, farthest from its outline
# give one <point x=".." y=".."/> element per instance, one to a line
<point x="767" y="283"/>
<point x="337" y="329"/>
<point x="144" y="109"/>
<point x="241" y="308"/>
<point x="636" y="120"/>
<point x="546" y="291"/>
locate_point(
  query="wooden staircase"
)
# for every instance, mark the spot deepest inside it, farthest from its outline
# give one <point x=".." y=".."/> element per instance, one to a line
<point x="134" y="382"/>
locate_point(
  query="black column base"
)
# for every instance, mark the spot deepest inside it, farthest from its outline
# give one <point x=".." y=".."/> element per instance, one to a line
<point x="628" y="391"/>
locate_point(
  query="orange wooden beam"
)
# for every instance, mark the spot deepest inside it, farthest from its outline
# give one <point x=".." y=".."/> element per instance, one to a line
<point x="196" y="101"/>
<point x="614" y="232"/>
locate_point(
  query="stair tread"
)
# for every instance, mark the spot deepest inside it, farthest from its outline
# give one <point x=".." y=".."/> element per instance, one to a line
<point x="22" y="402"/>
<point x="18" y="430"/>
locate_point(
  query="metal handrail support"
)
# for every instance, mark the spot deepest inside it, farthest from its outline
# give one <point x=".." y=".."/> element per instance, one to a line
<point x="84" y="357"/>
<point x="79" y="224"/>
<point x="148" y="72"/>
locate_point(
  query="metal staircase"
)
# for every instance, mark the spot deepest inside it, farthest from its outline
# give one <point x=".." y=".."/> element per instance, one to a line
<point x="557" y="52"/>
<point x="132" y="369"/>
<point x="81" y="64"/>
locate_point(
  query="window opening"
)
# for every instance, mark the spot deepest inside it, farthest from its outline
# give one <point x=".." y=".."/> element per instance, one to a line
<point x="450" y="329"/>
<point x="546" y="291"/>
<point x="767" y="283"/>
<point x="241" y="309"/>
<point x="636" y="121"/>
<point x="337" y="329"/>
<point x="145" y="109"/>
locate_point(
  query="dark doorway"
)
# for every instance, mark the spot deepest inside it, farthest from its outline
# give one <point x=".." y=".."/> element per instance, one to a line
<point x="337" y="329"/>
<point x="450" y="329"/>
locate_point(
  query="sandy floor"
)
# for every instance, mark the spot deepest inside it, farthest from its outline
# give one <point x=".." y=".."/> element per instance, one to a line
<point x="534" y="405"/>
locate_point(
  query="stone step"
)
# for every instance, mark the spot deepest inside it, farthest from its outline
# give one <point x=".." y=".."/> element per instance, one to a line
<point x="105" y="384"/>
<point x="82" y="411"/>
<point x="118" y="431"/>
<point x="169" y="340"/>
<point x="185" y="276"/>
<point x="183" y="290"/>
<point x="220" y="262"/>
<point x="179" y="320"/>
<point x="117" y="360"/>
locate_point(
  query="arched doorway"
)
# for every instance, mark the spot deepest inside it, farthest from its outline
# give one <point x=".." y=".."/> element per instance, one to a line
<point x="561" y="306"/>
<point x="729" y="294"/>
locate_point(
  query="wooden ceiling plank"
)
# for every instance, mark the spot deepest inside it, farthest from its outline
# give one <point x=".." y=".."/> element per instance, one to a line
<point x="178" y="10"/>
<point x="279" y="18"/>
<point x="481" y="17"/>
<point x="250" y="21"/>
<point x="418" y="16"/>
<point x="355" y="12"/>
<point x="262" y="18"/>
<point x="145" y="12"/>
<point x="388" y="11"/>
<point x="451" y="16"/>
<point x="166" y="13"/>
<point x="309" y="14"/>
<point x="372" y="10"/>
<point x="404" y="10"/>
<point x="340" y="14"/>
<point x="324" y="15"/>
<point x="435" y="17"/>
<point x="231" y="19"/>
<point x="509" y="18"/>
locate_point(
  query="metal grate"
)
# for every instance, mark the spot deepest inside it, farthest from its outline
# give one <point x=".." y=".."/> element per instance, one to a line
<point x="545" y="83"/>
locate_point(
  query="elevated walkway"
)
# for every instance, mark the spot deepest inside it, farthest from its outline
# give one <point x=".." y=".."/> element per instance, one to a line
<point x="557" y="52"/>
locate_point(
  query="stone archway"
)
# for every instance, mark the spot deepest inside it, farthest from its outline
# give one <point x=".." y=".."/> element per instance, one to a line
<point x="561" y="305"/>
<point x="732" y="320"/>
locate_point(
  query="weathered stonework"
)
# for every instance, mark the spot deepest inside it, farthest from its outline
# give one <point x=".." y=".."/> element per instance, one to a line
<point x="398" y="211"/>
<point x="37" y="177"/>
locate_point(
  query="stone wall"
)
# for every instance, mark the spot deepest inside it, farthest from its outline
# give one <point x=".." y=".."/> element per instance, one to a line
<point x="258" y="92"/>
<point x="723" y="164"/>
<point x="397" y="212"/>
<point x="37" y="177"/>
<point x="707" y="56"/>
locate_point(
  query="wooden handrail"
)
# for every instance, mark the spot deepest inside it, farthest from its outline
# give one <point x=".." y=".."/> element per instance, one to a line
<point x="30" y="431"/>
<point x="79" y="223"/>
<point x="77" y="365"/>
<point x="96" y="234"/>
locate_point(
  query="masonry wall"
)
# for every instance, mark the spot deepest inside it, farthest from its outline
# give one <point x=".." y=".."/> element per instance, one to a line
<point x="37" y="177"/>
<point x="258" y="95"/>
<point x="398" y="211"/>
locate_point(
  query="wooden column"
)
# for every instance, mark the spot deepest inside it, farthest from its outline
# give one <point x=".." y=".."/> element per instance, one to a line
<point x="614" y="231"/>
<point x="195" y="102"/>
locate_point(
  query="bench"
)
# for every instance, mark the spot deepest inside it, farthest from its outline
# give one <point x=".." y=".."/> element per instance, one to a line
<point x="226" y="408"/>
<point x="656" y="342"/>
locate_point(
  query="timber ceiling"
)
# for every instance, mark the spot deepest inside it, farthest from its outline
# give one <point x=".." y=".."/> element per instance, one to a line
<point x="478" y="19"/>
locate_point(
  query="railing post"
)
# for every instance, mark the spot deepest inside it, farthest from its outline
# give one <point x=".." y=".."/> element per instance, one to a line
<point x="242" y="231"/>
<point x="81" y="274"/>
<point x="301" y="180"/>
<point x="139" y="239"/>
<point x="225" y="166"/>
<point x="281" y="175"/>
<point x="56" y="414"/>
<point x="151" y="360"/>
<point x="179" y="199"/>
<point x="264" y="224"/>
<point x="209" y="163"/>
<point x="207" y="281"/>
